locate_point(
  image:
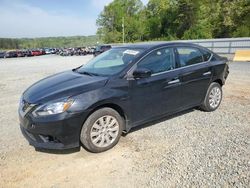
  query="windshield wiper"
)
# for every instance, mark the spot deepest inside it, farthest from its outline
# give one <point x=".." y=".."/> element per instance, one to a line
<point x="75" y="69"/>
<point x="84" y="72"/>
<point x="88" y="73"/>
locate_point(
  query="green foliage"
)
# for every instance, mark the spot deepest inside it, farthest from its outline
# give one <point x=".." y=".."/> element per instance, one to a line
<point x="174" y="19"/>
<point x="158" y="20"/>
<point x="110" y="21"/>
<point x="9" y="43"/>
<point x="49" y="42"/>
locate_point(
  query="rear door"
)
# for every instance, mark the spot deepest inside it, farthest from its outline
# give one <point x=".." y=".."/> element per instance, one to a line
<point x="195" y="75"/>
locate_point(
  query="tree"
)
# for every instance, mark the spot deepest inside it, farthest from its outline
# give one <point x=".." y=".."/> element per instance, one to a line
<point x="109" y="21"/>
<point x="175" y="19"/>
<point x="170" y="19"/>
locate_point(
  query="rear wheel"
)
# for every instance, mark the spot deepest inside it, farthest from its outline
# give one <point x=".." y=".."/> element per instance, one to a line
<point x="102" y="130"/>
<point x="213" y="97"/>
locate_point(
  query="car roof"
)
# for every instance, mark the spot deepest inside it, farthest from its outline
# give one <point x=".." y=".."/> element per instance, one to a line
<point x="149" y="45"/>
<point x="104" y="45"/>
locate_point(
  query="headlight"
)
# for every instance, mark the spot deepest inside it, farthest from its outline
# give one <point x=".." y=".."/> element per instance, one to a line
<point x="53" y="108"/>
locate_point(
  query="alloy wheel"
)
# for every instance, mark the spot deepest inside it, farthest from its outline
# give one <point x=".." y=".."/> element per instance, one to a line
<point x="215" y="97"/>
<point x="104" y="131"/>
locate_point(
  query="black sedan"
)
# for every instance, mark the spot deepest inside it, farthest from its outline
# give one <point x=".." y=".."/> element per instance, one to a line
<point x="10" y="54"/>
<point x="2" y="54"/>
<point x="121" y="88"/>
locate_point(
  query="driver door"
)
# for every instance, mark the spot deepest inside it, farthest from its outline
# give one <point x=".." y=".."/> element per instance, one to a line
<point x="159" y="93"/>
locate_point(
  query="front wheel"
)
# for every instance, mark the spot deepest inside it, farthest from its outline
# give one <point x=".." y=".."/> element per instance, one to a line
<point x="102" y="130"/>
<point x="213" y="97"/>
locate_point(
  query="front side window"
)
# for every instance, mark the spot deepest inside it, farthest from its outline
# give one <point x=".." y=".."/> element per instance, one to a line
<point x="189" y="56"/>
<point x="159" y="61"/>
<point x="110" y="62"/>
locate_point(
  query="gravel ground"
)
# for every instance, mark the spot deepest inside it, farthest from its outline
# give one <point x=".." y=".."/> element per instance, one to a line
<point x="189" y="149"/>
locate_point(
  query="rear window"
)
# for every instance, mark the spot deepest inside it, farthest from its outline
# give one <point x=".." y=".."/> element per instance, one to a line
<point x="189" y="56"/>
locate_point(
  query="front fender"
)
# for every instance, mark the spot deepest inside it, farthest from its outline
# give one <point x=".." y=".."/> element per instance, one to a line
<point x="99" y="97"/>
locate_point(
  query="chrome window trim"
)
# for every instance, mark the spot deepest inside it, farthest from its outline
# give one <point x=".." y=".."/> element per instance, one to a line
<point x="179" y="68"/>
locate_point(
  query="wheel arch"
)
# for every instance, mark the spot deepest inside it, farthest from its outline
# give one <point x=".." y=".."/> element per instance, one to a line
<point x="219" y="81"/>
<point x="115" y="107"/>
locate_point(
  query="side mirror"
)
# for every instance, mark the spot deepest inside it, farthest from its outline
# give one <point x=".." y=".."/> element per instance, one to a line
<point x="142" y="73"/>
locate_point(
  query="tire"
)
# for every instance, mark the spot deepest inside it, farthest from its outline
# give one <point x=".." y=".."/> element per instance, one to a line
<point x="213" y="97"/>
<point x="102" y="130"/>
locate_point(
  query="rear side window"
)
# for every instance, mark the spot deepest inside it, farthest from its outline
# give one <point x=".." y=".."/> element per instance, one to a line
<point x="206" y="55"/>
<point x="189" y="56"/>
<point x="159" y="61"/>
<point x="214" y="58"/>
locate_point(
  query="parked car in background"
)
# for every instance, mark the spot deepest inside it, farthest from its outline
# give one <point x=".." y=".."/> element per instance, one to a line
<point x="100" y="49"/>
<point x="42" y="51"/>
<point x="37" y="52"/>
<point x="47" y="51"/>
<point x="2" y="54"/>
<point x="50" y="50"/>
<point x="67" y="52"/>
<point x="80" y="51"/>
<point x="27" y="53"/>
<point x="92" y="50"/>
<point x="10" y="54"/>
<point x="20" y="53"/>
<point x="122" y="88"/>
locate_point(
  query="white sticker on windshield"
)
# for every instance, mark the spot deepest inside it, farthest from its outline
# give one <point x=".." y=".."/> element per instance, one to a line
<point x="131" y="52"/>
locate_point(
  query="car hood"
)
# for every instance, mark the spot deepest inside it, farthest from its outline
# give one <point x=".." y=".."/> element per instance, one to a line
<point x="62" y="85"/>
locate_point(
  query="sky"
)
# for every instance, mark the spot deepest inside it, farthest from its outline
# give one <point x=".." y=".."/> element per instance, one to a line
<point x="49" y="18"/>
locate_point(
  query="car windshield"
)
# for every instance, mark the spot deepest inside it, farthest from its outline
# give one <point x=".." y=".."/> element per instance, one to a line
<point x="110" y="62"/>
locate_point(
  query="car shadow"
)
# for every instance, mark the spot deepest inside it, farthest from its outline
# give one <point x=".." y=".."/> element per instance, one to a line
<point x="153" y="122"/>
<point x="60" y="152"/>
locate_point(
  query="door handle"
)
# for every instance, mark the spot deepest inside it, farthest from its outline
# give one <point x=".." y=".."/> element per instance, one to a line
<point x="206" y="73"/>
<point x="174" y="81"/>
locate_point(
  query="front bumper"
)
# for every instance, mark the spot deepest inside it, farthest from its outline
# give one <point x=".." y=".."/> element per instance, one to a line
<point x="61" y="131"/>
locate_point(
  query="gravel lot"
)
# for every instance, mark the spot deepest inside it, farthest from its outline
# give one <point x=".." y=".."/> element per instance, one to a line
<point x="190" y="149"/>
